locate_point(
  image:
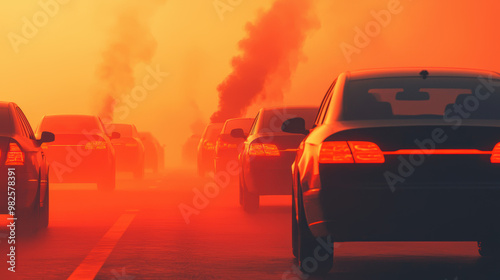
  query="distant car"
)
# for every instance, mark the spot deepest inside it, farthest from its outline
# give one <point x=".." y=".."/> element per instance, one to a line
<point x="24" y="170"/>
<point x="399" y="155"/>
<point x="206" y="148"/>
<point x="154" y="155"/>
<point x="82" y="151"/>
<point x="129" y="149"/>
<point x="227" y="148"/>
<point x="268" y="154"/>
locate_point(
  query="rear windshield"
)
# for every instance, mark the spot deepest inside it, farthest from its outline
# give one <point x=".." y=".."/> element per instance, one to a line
<point x="417" y="98"/>
<point x="125" y="130"/>
<point x="212" y="131"/>
<point x="273" y="119"/>
<point x="6" y="126"/>
<point x="70" y="124"/>
<point x="245" y="124"/>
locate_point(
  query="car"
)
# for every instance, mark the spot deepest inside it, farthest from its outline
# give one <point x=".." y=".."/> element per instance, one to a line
<point x="129" y="149"/>
<point x="227" y="148"/>
<point x="82" y="151"/>
<point x="206" y="148"/>
<point x="25" y="171"/>
<point x="154" y="155"/>
<point x="404" y="154"/>
<point x="268" y="154"/>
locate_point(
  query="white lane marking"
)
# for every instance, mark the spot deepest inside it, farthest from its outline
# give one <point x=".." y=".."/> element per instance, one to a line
<point x="90" y="266"/>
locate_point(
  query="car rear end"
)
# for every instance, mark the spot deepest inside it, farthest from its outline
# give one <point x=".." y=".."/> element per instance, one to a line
<point x="270" y="154"/>
<point x="206" y="148"/>
<point x="412" y="177"/>
<point x="268" y="170"/>
<point x="227" y="147"/>
<point x="79" y="158"/>
<point x="81" y="152"/>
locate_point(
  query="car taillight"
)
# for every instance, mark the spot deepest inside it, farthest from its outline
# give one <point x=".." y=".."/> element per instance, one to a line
<point x="14" y="156"/>
<point x="335" y="152"/>
<point x="350" y="152"/>
<point x="223" y="145"/>
<point x="95" y="145"/>
<point x="366" y="152"/>
<point x="208" y="145"/>
<point x="258" y="149"/>
<point x="495" y="154"/>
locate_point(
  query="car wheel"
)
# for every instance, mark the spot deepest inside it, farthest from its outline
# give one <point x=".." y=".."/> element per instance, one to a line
<point x="315" y="255"/>
<point x="295" y="238"/>
<point x="489" y="248"/>
<point x="44" y="213"/>
<point x="250" y="201"/>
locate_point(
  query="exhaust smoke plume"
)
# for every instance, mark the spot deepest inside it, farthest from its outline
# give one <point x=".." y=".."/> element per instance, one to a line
<point x="270" y="54"/>
<point x="131" y="43"/>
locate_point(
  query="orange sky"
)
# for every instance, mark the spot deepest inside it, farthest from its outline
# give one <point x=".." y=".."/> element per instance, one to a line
<point x="55" y="72"/>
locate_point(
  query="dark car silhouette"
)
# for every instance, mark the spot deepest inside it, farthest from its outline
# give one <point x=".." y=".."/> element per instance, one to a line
<point x="268" y="154"/>
<point x="399" y="155"/>
<point x="82" y="152"/>
<point x="24" y="175"/>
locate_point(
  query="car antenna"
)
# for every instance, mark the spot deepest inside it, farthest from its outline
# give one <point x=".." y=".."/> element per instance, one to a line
<point x="424" y="74"/>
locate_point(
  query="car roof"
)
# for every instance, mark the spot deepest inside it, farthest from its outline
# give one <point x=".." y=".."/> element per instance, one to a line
<point x="289" y="107"/>
<point x="415" y="72"/>
<point x="122" y="124"/>
<point x="70" y="116"/>
<point x="238" y="119"/>
<point x="4" y="104"/>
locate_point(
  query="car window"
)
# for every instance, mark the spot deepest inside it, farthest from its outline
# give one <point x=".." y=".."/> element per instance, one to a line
<point x="252" y="130"/>
<point x="244" y="124"/>
<point x="26" y="124"/>
<point x="324" y="104"/>
<point x="417" y="98"/>
<point x="272" y="119"/>
<point x="125" y="130"/>
<point x="63" y="124"/>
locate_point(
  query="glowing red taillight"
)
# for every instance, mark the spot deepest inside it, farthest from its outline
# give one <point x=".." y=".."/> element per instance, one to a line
<point x="258" y="149"/>
<point x="95" y="145"/>
<point x="221" y="145"/>
<point x="350" y="152"/>
<point x="335" y="152"/>
<point x="495" y="154"/>
<point x="14" y="156"/>
<point x="366" y="152"/>
<point x="208" y="145"/>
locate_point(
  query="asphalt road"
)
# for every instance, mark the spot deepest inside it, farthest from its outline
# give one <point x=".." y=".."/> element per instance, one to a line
<point x="138" y="232"/>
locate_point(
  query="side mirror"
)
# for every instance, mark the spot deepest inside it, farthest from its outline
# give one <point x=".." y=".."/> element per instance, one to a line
<point x="46" y="137"/>
<point x="238" y="133"/>
<point x="295" y="125"/>
<point x="114" y="135"/>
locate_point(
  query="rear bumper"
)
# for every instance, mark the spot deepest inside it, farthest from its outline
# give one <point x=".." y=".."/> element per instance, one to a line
<point x="411" y="214"/>
<point x="269" y="176"/>
<point x="89" y="168"/>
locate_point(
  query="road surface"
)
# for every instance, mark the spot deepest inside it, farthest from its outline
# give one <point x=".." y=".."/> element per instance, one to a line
<point x="138" y="232"/>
